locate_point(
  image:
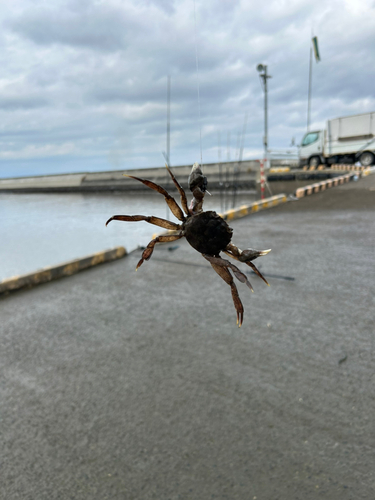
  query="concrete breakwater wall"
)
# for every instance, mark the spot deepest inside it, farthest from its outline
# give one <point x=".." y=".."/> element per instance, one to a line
<point x="240" y="175"/>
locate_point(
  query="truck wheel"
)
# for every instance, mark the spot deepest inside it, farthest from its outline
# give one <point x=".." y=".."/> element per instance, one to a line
<point x="366" y="159"/>
<point x="314" y="161"/>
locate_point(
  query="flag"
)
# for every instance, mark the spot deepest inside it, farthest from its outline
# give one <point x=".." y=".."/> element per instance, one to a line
<point x="316" y="48"/>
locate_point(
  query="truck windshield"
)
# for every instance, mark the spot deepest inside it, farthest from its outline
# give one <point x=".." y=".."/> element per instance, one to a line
<point x="310" y="138"/>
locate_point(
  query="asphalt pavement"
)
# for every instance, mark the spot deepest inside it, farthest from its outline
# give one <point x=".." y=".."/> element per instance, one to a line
<point x="118" y="384"/>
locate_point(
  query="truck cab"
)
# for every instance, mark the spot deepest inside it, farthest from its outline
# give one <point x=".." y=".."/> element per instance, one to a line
<point x="311" y="149"/>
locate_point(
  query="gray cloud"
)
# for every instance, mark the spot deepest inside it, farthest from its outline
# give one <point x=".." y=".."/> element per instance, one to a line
<point x="99" y="27"/>
<point x="26" y="102"/>
<point x="86" y="81"/>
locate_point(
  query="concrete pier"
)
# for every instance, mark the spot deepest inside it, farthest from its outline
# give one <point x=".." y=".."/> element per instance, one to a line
<point x="124" y="385"/>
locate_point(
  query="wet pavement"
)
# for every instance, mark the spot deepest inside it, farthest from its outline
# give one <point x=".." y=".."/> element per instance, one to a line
<point x="124" y="385"/>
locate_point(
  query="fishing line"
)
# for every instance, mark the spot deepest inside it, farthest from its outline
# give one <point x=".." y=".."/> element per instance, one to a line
<point x="197" y="67"/>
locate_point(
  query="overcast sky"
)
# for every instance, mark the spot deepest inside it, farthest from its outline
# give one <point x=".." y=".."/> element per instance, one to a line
<point x="83" y="83"/>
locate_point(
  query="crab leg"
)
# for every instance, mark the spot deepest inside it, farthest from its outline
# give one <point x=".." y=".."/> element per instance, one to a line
<point x="224" y="273"/>
<point x="171" y="202"/>
<point x="256" y="271"/>
<point x="157" y="221"/>
<point x="225" y="263"/>
<point x="180" y="190"/>
<point x="147" y="252"/>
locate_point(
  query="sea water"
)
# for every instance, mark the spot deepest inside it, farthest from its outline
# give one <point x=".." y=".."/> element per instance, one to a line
<point x="39" y="230"/>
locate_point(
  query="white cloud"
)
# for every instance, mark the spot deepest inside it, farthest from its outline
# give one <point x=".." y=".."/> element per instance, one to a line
<point x="47" y="150"/>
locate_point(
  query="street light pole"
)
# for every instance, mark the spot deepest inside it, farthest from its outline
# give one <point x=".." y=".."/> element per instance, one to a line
<point x="265" y="78"/>
<point x="262" y="69"/>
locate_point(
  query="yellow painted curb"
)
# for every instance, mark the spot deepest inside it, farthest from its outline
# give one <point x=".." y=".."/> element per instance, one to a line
<point x="277" y="170"/>
<point x="60" y="270"/>
<point x="321" y="186"/>
<point x="339" y="166"/>
<point x="311" y="167"/>
<point x="368" y="171"/>
<point x="243" y="210"/>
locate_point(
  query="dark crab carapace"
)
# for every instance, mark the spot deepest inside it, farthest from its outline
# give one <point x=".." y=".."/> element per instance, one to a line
<point x="207" y="232"/>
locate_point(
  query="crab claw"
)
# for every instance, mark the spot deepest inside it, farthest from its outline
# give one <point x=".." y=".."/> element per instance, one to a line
<point x="251" y="254"/>
<point x="247" y="256"/>
<point x="197" y="179"/>
<point x="198" y="186"/>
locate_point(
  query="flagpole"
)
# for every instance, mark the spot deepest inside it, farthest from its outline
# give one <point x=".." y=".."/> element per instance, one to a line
<point x="309" y="93"/>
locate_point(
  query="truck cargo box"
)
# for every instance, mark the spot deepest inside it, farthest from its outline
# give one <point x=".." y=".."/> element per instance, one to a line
<point x="352" y="128"/>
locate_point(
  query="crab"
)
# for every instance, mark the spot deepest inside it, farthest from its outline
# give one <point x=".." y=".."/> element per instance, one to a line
<point x="207" y="232"/>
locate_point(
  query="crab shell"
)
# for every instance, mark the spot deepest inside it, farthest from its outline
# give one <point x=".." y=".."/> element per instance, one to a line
<point x="207" y="232"/>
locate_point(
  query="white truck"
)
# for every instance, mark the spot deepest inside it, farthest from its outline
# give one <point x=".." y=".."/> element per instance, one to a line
<point x="345" y="140"/>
